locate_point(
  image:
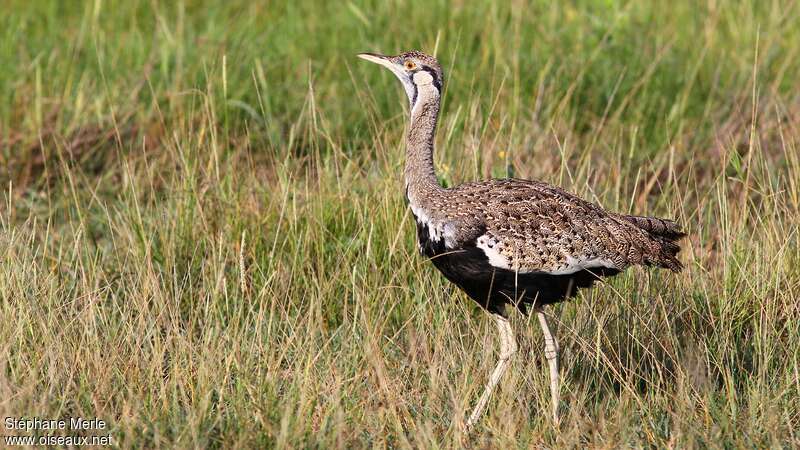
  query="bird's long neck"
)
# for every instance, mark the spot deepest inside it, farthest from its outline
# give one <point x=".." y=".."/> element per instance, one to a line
<point x="420" y="174"/>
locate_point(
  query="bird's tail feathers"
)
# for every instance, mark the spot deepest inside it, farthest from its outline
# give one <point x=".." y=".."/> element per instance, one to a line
<point x="664" y="228"/>
<point x="666" y="232"/>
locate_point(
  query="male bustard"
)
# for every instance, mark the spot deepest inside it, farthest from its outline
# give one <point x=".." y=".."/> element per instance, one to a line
<point x="513" y="242"/>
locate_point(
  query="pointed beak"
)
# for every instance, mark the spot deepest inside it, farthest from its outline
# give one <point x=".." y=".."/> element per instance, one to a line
<point x="397" y="70"/>
<point x="377" y="59"/>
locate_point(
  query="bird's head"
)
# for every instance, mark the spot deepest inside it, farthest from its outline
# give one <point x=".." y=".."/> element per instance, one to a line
<point x="420" y="74"/>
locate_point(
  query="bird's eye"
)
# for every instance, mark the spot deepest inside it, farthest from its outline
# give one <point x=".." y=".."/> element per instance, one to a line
<point x="410" y="65"/>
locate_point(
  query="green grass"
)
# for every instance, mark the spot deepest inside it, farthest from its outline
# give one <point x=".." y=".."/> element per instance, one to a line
<point x="204" y="240"/>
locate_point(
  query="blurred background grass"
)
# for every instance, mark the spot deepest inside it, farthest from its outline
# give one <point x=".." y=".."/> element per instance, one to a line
<point x="205" y="243"/>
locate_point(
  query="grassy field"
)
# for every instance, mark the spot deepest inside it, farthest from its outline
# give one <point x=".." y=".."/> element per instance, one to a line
<point x="204" y="240"/>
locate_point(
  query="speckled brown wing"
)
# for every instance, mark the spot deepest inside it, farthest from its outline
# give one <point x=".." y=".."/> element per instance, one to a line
<point x="529" y="226"/>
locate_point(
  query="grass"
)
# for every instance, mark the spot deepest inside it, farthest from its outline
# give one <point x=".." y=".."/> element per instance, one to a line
<point x="204" y="240"/>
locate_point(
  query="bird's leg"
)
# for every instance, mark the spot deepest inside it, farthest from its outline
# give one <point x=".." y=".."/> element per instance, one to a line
<point x="551" y="353"/>
<point x="508" y="347"/>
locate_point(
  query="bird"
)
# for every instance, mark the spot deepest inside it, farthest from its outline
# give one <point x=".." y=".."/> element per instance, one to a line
<point x="513" y="244"/>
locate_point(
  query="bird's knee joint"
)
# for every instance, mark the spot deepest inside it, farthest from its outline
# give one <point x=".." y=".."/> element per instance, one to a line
<point x="551" y="350"/>
<point x="509" y="352"/>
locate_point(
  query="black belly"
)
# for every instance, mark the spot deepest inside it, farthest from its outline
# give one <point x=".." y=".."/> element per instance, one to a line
<point x="492" y="287"/>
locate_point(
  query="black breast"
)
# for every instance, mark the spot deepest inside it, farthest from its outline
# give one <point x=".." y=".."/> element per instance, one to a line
<point x="492" y="287"/>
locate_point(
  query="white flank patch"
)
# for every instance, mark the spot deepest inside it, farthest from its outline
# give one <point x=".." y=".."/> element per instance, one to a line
<point x="576" y="265"/>
<point x="489" y="247"/>
<point x="436" y="230"/>
<point x="449" y="234"/>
